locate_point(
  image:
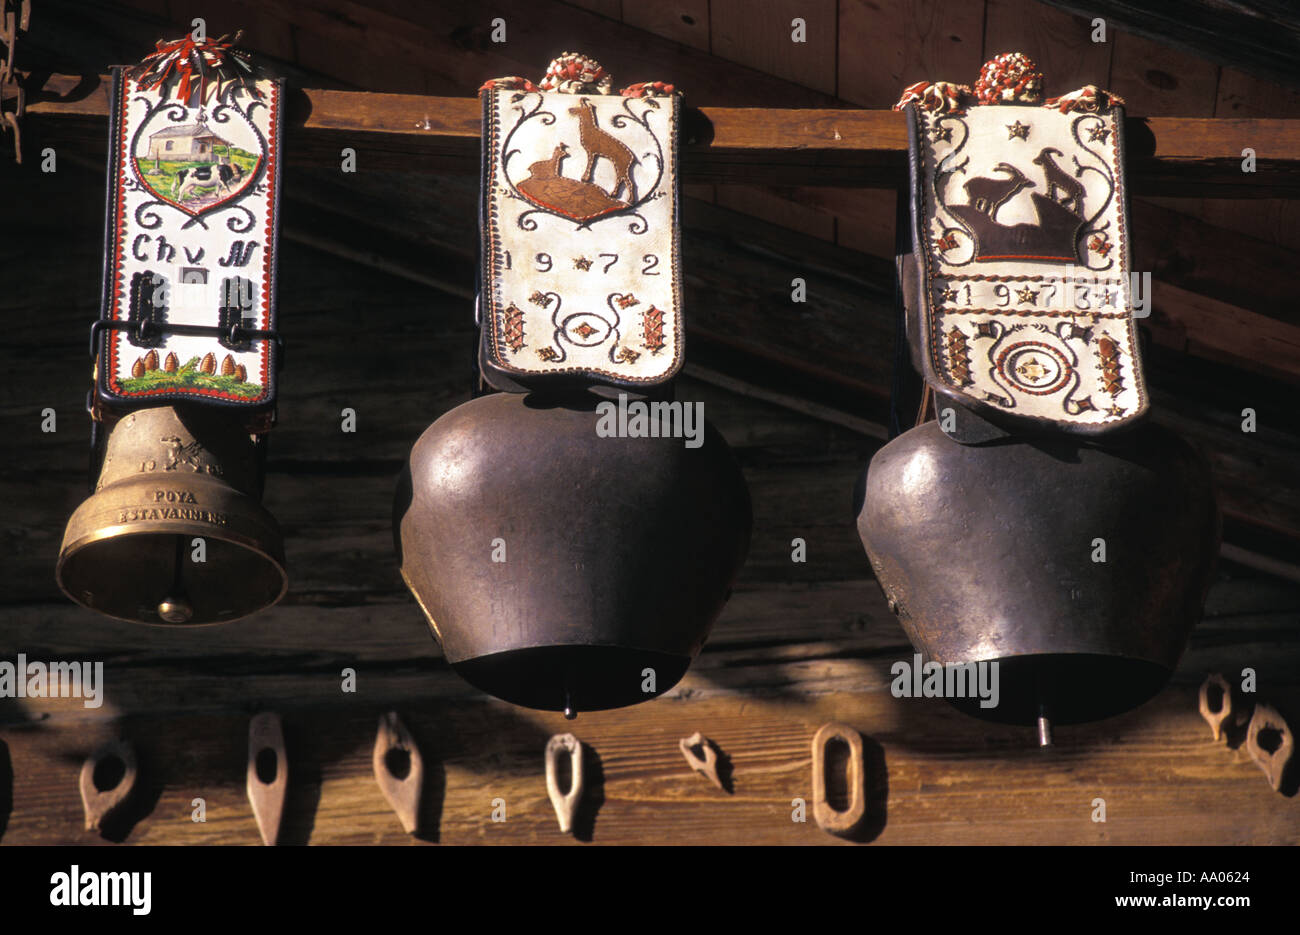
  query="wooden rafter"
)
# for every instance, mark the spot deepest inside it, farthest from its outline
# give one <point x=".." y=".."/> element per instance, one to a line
<point x="813" y="146"/>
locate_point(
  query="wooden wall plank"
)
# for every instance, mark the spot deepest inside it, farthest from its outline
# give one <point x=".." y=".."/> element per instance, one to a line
<point x="1159" y="81"/>
<point x="610" y="8"/>
<point x="1058" y="42"/>
<point x="759" y="35"/>
<point x="774" y="208"/>
<point x="885" y="46"/>
<point x="1274" y="220"/>
<point x="684" y="21"/>
<point x="1223" y="264"/>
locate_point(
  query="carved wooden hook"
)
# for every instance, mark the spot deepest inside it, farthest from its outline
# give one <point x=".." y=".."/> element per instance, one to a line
<point x="565" y="803"/>
<point x="1216" y="687"/>
<point x="103" y="805"/>
<point x="829" y="819"/>
<point x="706" y="762"/>
<point x="1271" y="753"/>
<point x="402" y="791"/>
<point x="268" y="774"/>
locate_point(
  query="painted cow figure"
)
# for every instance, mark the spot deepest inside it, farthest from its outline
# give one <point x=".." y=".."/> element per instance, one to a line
<point x="221" y="175"/>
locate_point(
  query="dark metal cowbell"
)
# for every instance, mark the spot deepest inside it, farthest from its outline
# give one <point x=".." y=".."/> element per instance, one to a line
<point x="1039" y="522"/>
<point x="566" y="556"/>
<point x="986" y="552"/>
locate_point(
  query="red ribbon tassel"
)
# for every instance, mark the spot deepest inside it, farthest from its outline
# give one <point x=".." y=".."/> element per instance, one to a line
<point x="187" y="62"/>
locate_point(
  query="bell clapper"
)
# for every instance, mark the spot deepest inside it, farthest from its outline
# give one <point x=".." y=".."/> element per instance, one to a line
<point x="175" y="607"/>
<point x="1041" y="680"/>
<point x="570" y="712"/>
<point x="1044" y="726"/>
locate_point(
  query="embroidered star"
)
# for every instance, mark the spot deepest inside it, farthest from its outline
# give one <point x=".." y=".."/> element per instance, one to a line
<point x="1115" y="411"/>
<point x="1017" y="130"/>
<point x="585" y="330"/>
<point x="541" y="298"/>
<point x="943" y="134"/>
<point x="948" y="294"/>
<point x="1098" y="134"/>
<point x="548" y="353"/>
<point x="1026" y="294"/>
<point x="581" y="263"/>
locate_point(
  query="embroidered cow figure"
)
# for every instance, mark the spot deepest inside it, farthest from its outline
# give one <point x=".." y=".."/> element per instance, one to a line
<point x="598" y="143"/>
<point x="221" y="175"/>
<point x="1058" y="179"/>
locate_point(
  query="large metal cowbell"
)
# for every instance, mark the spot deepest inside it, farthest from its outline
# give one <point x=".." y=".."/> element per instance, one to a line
<point x="1040" y="522"/>
<point x="566" y="556"/>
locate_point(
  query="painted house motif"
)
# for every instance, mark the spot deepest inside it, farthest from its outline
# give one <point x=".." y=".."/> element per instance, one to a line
<point x="191" y="142"/>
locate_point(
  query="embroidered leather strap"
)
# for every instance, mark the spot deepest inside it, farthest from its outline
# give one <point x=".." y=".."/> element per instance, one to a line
<point x="579" y="227"/>
<point x="188" y="309"/>
<point x="1022" y="288"/>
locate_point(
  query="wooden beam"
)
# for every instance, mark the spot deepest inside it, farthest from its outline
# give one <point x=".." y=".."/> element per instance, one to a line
<point x="811" y="146"/>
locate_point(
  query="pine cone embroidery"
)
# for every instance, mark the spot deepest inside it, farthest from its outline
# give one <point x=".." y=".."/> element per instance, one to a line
<point x="958" y="356"/>
<point x="653" y="329"/>
<point x="1108" y="350"/>
<point x="513" y="326"/>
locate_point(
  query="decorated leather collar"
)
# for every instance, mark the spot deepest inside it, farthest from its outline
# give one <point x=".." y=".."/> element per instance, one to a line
<point x="580" y="278"/>
<point x="1020" y="302"/>
<point x="188" y="309"/>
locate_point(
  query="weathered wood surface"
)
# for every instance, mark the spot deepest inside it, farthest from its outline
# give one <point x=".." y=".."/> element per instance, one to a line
<point x="807" y="146"/>
<point x="781" y="662"/>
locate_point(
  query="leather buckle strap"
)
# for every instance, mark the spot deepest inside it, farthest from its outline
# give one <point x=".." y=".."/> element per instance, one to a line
<point x="144" y="329"/>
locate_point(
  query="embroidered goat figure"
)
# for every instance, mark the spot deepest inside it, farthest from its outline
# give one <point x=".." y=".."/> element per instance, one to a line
<point x="1058" y="179"/>
<point x="987" y="195"/>
<point x="598" y="143"/>
<point x="549" y="168"/>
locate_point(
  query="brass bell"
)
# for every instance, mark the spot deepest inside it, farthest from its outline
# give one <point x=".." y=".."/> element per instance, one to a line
<point x="560" y="569"/>
<point x="173" y="475"/>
